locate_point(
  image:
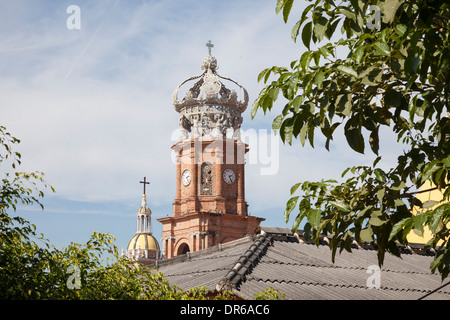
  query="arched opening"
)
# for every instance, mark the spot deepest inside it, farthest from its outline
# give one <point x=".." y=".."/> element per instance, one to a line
<point x="182" y="249"/>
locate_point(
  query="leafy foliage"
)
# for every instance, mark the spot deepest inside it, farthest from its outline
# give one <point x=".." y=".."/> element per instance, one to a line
<point x="32" y="271"/>
<point x="270" y="294"/>
<point x="395" y="75"/>
<point x="32" y="268"/>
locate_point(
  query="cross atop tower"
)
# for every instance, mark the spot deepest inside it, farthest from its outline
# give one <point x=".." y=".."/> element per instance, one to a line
<point x="144" y="182"/>
<point x="209" y="45"/>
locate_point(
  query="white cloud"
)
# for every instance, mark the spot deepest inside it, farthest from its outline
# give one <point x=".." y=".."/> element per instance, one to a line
<point x="93" y="106"/>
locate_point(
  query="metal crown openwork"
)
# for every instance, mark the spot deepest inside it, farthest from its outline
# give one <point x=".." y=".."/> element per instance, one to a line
<point x="209" y="108"/>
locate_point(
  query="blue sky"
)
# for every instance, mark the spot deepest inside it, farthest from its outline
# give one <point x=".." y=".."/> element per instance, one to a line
<point x="93" y="108"/>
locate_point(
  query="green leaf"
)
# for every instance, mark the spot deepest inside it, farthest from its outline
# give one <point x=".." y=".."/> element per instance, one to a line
<point x="286" y="130"/>
<point x="296" y="103"/>
<point x="267" y="103"/>
<point x="348" y="13"/>
<point x="303" y="133"/>
<point x="400" y="29"/>
<point x="341" y="205"/>
<point x="311" y="135"/>
<point x="295" y="30"/>
<point x="437" y="261"/>
<point x="347" y="70"/>
<point x="363" y="212"/>
<point x="366" y="234"/>
<point x="304" y="206"/>
<point x="307" y="231"/>
<point x="436" y="216"/>
<point x="262" y="74"/>
<point x="354" y="137"/>
<point x="276" y="124"/>
<point x="392" y="98"/>
<point x="273" y="93"/>
<point x="382" y="48"/>
<point x="358" y="54"/>
<point x="379" y="174"/>
<point x="297" y="222"/>
<point x="380" y="194"/>
<point x="398" y="185"/>
<point x="389" y="8"/>
<point x="287" y="9"/>
<point x="374" y="141"/>
<point x="411" y="63"/>
<point x="305" y="60"/>
<point x="290" y="205"/>
<point x="320" y="26"/>
<point x="344" y="103"/>
<point x="429" y="204"/>
<point x="304" y="209"/>
<point x="314" y="218"/>
<point x="418" y="222"/>
<point x="255" y="107"/>
<point x="393" y="248"/>
<point x="295" y="187"/>
<point x="324" y="51"/>
<point x="318" y="79"/>
<point x="279" y="6"/>
<point x="306" y="34"/>
<point x="399" y="226"/>
<point x="331" y="28"/>
<point x="375" y="219"/>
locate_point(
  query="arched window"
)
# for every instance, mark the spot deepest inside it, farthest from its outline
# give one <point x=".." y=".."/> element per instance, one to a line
<point x="182" y="249"/>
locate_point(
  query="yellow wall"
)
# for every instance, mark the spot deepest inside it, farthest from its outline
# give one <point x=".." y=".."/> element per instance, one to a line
<point x="434" y="197"/>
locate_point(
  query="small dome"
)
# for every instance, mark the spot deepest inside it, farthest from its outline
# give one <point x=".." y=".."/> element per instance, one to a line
<point x="144" y="209"/>
<point x="143" y="241"/>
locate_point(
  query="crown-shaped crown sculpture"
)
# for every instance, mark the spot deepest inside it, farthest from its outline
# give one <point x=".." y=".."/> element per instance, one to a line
<point x="209" y="109"/>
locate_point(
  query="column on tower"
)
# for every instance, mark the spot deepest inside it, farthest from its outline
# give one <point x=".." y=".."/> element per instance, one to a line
<point x="178" y="150"/>
<point x="193" y="166"/>
<point x="241" y="149"/>
<point x="217" y="167"/>
<point x="137" y="224"/>
<point x="148" y="225"/>
<point x="178" y="191"/>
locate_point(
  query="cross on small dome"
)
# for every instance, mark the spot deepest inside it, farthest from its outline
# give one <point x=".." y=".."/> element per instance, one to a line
<point x="209" y="45"/>
<point x="144" y="182"/>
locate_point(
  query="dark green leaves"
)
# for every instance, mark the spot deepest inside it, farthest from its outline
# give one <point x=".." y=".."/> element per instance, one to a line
<point x="320" y="27"/>
<point x="286" y="6"/>
<point x="353" y="135"/>
<point x="289" y="207"/>
<point x="306" y="34"/>
<point x="382" y="48"/>
<point x="340" y="204"/>
<point x="394" y="77"/>
<point x="314" y="218"/>
<point x="392" y="98"/>
<point x="347" y="70"/>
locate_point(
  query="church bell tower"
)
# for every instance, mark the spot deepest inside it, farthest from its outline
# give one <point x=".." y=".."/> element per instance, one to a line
<point x="209" y="207"/>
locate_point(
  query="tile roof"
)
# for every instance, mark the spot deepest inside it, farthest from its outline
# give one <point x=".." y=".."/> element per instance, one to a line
<point x="205" y="267"/>
<point x="300" y="270"/>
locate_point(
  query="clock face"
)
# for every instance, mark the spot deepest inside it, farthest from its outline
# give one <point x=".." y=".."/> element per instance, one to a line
<point x="229" y="176"/>
<point x="186" y="177"/>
